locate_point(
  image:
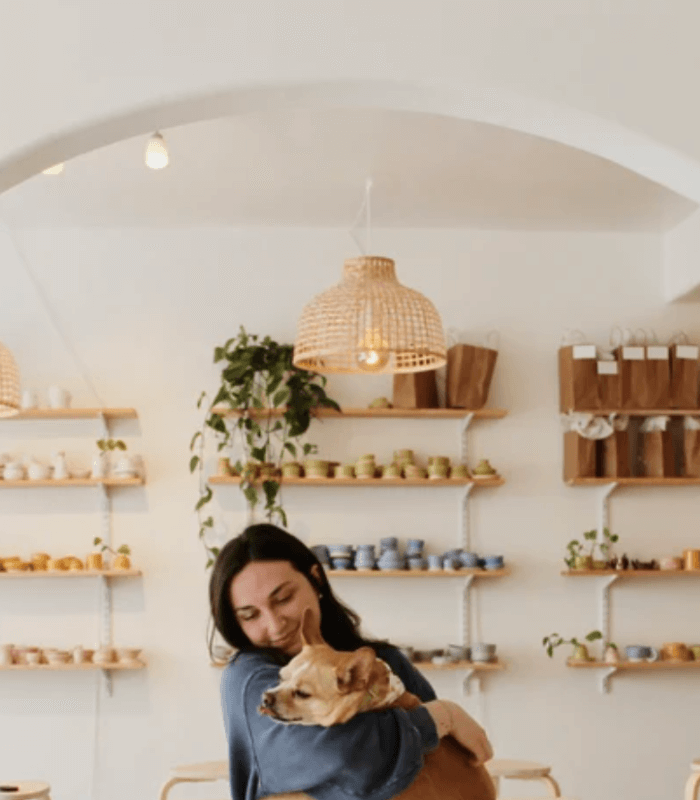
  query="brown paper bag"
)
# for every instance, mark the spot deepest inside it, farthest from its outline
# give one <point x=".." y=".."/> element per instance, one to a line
<point x="657" y="388"/>
<point x="609" y="385"/>
<point x="691" y="453"/>
<point x="578" y="378"/>
<point x="684" y="376"/>
<point x="657" y="454"/>
<point x="415" y="390"/>
<point x="579" y="456"/>
<point x="633" y="376"/>
<point x="614" y="455"/>
<point x="469" y="373"/>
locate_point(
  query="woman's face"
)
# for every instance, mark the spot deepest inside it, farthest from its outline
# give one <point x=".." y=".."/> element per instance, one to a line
<point x="269" y="598"/>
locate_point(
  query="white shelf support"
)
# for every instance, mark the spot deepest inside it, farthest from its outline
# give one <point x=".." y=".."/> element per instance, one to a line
<point x="465" y="423"/>
<point x="604" y="508"/>
<point x="106" y="625"/>
<point x="471" y="675"/>
<point x="464" y="517"/>
<point x="605" y="679"/>
<point x="467" y="611"/>
<point x="605" y="607"/>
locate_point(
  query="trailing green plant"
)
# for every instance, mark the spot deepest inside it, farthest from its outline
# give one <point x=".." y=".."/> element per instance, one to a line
<point x="257" y="375"/>
<point x="554" y="640"/>
<point x="606" y="545"/>
<point x="575" y="548"/>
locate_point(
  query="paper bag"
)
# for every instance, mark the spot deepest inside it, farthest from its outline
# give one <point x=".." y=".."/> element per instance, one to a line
<point x="657" y="386"/>
<point x="684" y="376"/>
<point x="657" y="454"/>
<point x="691" y="448"/>
<point x="633" y="376"/>
<point x="614" y="455"/>
<point x="579" y="456"/>
<point x="415" y="390"/>
<point x="469" y="373"/>
<point x="578" y="378"/>
<point x="609" y="384"/>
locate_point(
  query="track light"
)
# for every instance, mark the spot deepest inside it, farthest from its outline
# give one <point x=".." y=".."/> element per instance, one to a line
<point x="156" y="152"/>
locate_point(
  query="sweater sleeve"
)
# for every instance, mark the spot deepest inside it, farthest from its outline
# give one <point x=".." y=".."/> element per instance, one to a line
<point x="375" y="755"/>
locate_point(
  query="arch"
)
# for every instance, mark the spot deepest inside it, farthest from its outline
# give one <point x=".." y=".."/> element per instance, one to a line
<point x="499" y="107"/>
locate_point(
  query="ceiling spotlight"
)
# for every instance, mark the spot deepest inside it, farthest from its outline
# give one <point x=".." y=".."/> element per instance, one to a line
<point x="57" y="169"/>
<point x="156" y="152"/>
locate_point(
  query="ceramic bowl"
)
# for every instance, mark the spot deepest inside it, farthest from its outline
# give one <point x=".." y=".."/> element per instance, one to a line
<point x="128" y="653"/>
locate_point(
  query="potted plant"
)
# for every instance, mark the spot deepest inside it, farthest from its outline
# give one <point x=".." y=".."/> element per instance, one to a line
<point x="577" y="559"/>
<point x="611" y="654"/>
<point x="120" y="556"/>
<point x="580" y="651"/>
<point x="100" y="464"/>
<point x="257" y="375"/>
<point x="605" y="548"/>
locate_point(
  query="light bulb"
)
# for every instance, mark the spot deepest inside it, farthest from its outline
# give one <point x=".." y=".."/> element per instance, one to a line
<point x="57" y="169"/>
<point x="156" y="152"/>
<point x="372" y="352"/>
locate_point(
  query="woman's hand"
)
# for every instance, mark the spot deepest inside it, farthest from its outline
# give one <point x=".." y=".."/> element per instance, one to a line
<point x="469" y="733"/>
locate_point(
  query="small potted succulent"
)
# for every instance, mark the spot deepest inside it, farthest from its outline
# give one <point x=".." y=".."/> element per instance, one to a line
<point x="579" y="652"/>
<point x="120" y="556"/>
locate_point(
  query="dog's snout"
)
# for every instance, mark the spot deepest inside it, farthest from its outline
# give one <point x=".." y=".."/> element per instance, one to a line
<point x="268" y="700"/>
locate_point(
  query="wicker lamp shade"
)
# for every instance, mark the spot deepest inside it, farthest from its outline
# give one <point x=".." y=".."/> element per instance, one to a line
<point x="369" y="323"/>
<point x="9" y="384"/>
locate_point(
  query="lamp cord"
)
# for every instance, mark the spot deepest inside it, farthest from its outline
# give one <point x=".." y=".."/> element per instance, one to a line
<point x="53" y="317"/>
<point x="365" y="205"/>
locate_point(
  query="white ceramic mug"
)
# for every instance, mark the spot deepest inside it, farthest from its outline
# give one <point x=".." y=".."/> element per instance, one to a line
<point x="29" y="399"/>
<point x="6" y="655"/>
<point x="59" y="398"/>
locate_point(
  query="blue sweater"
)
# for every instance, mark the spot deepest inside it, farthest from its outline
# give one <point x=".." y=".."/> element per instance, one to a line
<point x="373" y="756"/>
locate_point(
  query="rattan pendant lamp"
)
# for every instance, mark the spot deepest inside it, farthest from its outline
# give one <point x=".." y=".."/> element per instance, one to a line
<point x="369" y="323"/>
<point x="9" y="384"/>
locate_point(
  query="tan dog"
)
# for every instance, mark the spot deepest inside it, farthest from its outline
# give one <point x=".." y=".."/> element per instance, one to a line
<point x="322" y="686"/>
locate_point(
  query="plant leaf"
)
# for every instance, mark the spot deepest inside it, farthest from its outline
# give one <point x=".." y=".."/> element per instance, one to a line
<point x="193" y="463"/>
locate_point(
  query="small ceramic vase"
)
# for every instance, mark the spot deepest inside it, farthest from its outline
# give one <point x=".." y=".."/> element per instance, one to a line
<point x="94" y="561"/>
<point x="611" y="656"/>
<point x="60" y="468"/>
<point x="121" y="561"/>
<point x="580" y="653"/>
<point x="100" y="465"/>
<point x="583" y="562"/>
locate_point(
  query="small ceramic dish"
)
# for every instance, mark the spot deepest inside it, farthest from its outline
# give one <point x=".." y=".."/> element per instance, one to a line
<point x="127" y="654"/>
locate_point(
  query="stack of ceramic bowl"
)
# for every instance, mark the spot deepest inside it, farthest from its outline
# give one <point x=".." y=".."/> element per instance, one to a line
<point x="321" y="553"/>
<point x="414" y="554"/>
<point x="460" y="471"/>
<point x="493" y="562"/>
<point x="344" y="471"/>
<point x="365" y="467"/>
<point x="438" y="467"/>
<point x="391" y="471"/>
<point x="403" y="458"/>
<point x="341" y="555"/>
<point x="389" y="557"/>
<point x="413" y="471"/>
<point x="364" y="557"/>
<point x="291" y="469"/>
<point x="469" y="560"/>
<point x="451" y="559"/>
<point x="316" y="468"/>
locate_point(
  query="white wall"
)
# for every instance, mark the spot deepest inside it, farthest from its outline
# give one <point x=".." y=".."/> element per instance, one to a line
<point x="145" y="309"/>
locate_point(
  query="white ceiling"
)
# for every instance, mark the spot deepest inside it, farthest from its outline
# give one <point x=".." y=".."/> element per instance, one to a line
<point x="309" y="168"/>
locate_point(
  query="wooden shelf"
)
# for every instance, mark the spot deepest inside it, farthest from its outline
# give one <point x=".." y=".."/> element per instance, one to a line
<point x="397" y="413"/>
<point x="65" y="482"/>
<point x="638" y="412"/>
<point x="374" y="482"/>
<point x="89" y="667"/>
<point x="638" y="481"/>
<point x="633" y="666"/>
<point x="73" y="573"/>
<point x="478" y="666"/>
<point x="419" y="573"/>
<point x="631" y="573"/>
<point x="74" y="413"/>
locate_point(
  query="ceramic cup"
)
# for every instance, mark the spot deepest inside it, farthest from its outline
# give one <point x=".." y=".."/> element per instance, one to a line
<point x="29" y="399"/>
<point x="641" y="652"/>
<point x="6" y="655"/>
<point x="691" y="559"/>
<point x="695" y="650"/>
<point x="456" y="652"/>
<point x="434" y="562"/>
<point x="483" y="652"/>
<point x="675" y="651"/>
<point x="58" y="397"/>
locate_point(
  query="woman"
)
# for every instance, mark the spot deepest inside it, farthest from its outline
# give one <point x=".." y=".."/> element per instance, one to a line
<point x="260" y="585"/>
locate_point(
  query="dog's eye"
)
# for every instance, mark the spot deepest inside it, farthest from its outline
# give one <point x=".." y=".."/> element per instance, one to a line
<point x="301" y="695"/>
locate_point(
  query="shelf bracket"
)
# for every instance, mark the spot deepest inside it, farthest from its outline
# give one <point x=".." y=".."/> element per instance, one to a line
<point x="464" y="514"/>
<point x="468" y="678"/>
<point x="467" y="611"/>
<point x="604" y="508"/>
<point x="105" y="638"/>
<point x="605" y="679"/>
<point x="605" y="606"/>
<point x="107" y="677"/>
<point x="464" y="425"/>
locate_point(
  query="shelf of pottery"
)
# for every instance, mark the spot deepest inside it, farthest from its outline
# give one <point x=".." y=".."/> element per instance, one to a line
<point x="111" y="468"/>
<point x="405" y="469"/>
<point x="631" y="417"/>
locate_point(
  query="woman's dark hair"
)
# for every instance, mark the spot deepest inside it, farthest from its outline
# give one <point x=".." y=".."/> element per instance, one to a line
<point x="340" y="626"/>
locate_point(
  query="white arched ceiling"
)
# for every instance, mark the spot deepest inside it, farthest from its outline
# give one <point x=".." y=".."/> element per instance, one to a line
<point x="600" y="137"/>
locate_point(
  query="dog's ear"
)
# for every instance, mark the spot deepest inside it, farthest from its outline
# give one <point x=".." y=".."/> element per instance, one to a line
<point x="310" y="632"/>
<point x="353" y="673"/>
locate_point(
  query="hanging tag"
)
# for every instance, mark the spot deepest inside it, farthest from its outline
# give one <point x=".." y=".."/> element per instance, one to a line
<point x="657" y="353"/>
<point x="581" y="351"/>
<point x="607" y="368"/>
<point x="633" y="353"/>
<point x="686" y="351"/>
